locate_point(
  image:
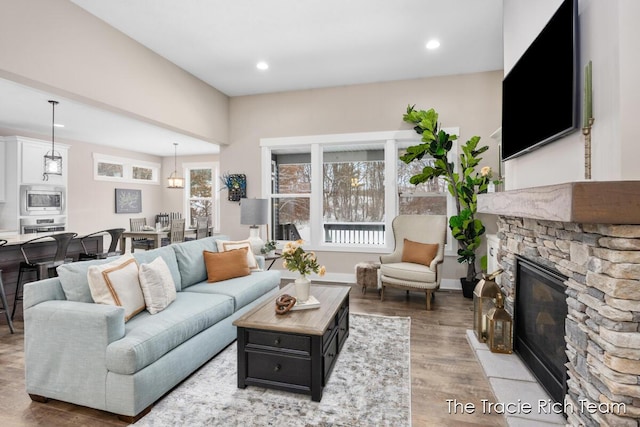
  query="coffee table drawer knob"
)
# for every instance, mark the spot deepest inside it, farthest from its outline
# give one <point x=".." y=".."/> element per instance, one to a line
<point x="277" y="341"/>
<point x="277" y="368"/>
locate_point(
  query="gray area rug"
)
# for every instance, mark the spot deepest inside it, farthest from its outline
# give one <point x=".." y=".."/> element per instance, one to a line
<point x="370" y="386"/>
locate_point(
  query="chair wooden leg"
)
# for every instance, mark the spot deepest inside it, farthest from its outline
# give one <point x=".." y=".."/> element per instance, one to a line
<point x="429" y="299"/>
<point x="382" y="293"/>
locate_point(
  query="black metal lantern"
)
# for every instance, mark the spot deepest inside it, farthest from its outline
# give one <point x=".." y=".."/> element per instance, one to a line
<point x="500" y="328"/>
<point x="483" y="300"/>
<point x="52" y="159"/>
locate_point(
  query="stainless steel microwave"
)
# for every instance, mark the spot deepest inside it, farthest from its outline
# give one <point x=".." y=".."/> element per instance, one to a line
<point x="42" y="200"/>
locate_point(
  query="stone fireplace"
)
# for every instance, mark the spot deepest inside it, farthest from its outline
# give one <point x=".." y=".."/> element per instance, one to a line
<point x="589" y="233"/>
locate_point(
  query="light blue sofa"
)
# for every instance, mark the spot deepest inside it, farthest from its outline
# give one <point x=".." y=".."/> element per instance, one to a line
<point x="84" y="353"/>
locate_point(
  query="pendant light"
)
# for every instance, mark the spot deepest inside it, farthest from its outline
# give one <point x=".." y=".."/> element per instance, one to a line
<point x="52" y="159"/>
<point x="174" y="180"/>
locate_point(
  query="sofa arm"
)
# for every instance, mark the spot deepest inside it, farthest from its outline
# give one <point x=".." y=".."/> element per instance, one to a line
<point x="41" y="291"/>
<point x="65" y="349"/>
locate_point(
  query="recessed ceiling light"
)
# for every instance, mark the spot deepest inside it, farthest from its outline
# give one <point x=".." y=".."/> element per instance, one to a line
<point x="58" y="125"/>
<point x="262" y="65"/>
<point x="433" y="44"/>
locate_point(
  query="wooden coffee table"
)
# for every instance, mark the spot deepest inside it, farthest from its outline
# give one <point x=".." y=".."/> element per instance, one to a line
<point x="296" y="351"/>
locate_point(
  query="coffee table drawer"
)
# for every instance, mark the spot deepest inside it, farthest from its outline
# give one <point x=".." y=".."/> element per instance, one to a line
<point x="279" y="368"/>
<point x="278" y="341"/>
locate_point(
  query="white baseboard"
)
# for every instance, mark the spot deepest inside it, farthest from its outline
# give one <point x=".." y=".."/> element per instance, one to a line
<point x="451" y="284"/>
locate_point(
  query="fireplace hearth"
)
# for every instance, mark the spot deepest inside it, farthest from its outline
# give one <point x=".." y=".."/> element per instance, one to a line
<point x="539" y="325"/>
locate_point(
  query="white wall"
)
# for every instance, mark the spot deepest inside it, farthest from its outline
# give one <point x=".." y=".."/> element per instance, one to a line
<point x="58" y="47"/>
<point x="608" y="37"/>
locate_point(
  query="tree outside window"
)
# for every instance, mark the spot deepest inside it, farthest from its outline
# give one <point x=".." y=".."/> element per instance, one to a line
<point x="200" y="193"/>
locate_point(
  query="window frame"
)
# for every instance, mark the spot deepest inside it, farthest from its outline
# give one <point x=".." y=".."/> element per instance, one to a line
<point x="392" y="140"/>
<point x="127" y="169"/>
<point x="215" y="190"/>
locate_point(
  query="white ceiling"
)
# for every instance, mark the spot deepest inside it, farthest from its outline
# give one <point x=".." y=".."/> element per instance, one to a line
<point x="307" y="43"/>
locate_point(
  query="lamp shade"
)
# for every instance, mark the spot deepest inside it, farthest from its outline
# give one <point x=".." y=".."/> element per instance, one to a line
<point x="253" y="211"/>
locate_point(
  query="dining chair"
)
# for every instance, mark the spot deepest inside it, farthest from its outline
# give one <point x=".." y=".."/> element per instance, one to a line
<point x="176" y="232"/>
<point x="42" y="269"/>
<point x="202" y="228"/>
<point x="115" y="234"/>
<point x="162" y="219"/>
<point x="3" y="297"/>
<point x="138" y="224"/>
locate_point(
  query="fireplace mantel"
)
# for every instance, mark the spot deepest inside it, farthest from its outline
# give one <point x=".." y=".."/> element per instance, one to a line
<point x="587" y="202"/>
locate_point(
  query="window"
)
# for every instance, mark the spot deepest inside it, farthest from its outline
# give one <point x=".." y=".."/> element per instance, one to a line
<point x="341" y="192"/>
<point x="110" y="168"/>
<point x="353" y="195"/>
<point x="202" y="183"/>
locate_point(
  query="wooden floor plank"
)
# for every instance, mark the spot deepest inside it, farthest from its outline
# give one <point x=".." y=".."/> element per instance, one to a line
<point x="443" y="367"/>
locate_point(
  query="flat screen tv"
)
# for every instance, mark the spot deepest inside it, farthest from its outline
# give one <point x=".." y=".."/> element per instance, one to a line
<point x="540" y="93"/>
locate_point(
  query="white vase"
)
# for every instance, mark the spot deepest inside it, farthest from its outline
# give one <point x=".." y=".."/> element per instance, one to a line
<point x="302" y="285"/>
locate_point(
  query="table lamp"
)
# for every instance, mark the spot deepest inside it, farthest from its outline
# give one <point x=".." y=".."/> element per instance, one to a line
<point x="253" y="212"/>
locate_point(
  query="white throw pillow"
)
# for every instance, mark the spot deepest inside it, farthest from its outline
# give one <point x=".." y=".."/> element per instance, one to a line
<point x="117" y="283"/>
<point x="227" y="245"/>
<point x="157" y="285"/>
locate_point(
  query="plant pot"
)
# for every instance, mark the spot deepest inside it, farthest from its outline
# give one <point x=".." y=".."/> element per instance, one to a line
<point x="468" y="287"/>
<point x="302" y="286"/>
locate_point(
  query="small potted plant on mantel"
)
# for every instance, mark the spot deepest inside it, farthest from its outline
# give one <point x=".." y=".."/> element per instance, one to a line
<point x="463" y="185"/>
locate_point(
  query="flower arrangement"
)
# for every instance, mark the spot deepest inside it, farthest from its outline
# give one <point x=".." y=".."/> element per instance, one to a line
<point x="296" y="259"/>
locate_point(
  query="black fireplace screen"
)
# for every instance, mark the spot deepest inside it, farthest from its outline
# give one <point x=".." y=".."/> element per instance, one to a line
<point x="539" y="325"/>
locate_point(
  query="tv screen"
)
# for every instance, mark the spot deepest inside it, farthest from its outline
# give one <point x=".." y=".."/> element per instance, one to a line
<point x="540" y="92"/>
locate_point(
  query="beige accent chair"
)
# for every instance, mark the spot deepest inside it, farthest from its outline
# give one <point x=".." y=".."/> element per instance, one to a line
<point x="411" y="276"/>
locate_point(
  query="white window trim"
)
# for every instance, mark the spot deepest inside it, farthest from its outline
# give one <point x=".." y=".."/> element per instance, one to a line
<point x="127" y="169"/>
<point x="216" y="187"/>
<point x="392" y="140"/>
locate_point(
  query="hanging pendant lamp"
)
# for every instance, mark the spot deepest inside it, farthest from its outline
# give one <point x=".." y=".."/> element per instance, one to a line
<point x="175" y="181"/>
<point x="52" y="159"/>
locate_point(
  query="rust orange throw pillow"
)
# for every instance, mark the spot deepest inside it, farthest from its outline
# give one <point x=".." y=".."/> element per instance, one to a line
<point x="226" y="265"/>
<point x="419" y="253"/>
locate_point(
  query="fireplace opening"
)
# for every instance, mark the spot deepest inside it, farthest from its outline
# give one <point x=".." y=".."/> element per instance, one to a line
<point x="540" y="311"/>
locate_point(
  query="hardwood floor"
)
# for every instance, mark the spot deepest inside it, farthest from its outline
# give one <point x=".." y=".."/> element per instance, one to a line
<point x="443" y="367"/>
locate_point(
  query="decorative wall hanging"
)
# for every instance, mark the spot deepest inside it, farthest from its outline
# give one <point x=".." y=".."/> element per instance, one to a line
<point x="128" y="201"/>
<point x="237" y="186"/>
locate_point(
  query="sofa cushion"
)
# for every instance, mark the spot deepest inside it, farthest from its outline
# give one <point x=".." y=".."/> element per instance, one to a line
<point x="408" y="271"/>
<point x="148" y="337"/>
<point x="168" y="255"/>
<point x="157" y="285"/>
<point x="243" y="290"/>
<point x="73" y="279"/>
<point x="226" y="265"/>
<point x="228" y="245"/>
<point x="117" y="283"/>
<point x="191" y="261"/>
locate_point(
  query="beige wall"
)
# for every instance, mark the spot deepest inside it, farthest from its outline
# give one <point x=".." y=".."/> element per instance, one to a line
<point x="608" y="37"/>
<point x="471" y="102"/>
<point x="56" y="46"/>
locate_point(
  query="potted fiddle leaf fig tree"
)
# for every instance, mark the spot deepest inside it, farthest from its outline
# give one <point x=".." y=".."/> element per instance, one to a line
<point x="464" y="184"/>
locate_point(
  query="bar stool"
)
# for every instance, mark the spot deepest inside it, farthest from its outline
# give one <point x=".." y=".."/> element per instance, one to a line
<point x="115" y="234"/>
<point x="3" y="296"/>
<point x="43" y="269"/>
